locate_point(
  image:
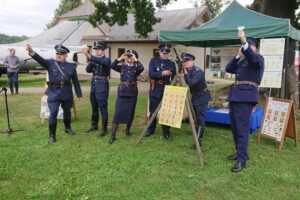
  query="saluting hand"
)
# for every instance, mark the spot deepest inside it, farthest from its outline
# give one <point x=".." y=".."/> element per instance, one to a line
<point x="122" y="57"/>
<point x="134" y="58"/>
<point x="242" y="36"/>
<point x="29" y="48"/>
<point x="185" y="71"/>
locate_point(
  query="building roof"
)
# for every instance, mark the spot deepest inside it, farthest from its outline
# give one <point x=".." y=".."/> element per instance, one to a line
<point x="84" y="9"/>
<point x="170" y="20"/>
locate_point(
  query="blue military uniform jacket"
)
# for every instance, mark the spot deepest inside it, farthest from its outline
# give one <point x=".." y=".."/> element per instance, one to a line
<point x="251" y="69"/>
<point x="69" y="70"/>
<point x="195" y="79"/>
<point x="156" y="67"/>
<point x="99" y="66"/>
<point x="129" y="74"/>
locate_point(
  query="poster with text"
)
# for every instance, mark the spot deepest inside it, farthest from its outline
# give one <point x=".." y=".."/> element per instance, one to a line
<point x="273" y="52"/>
<point x="275" y="119"/>
<point x="173" y="103"/>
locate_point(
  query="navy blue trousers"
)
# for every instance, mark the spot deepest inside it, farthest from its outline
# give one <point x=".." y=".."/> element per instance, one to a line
<point x="54" y="106"/>
<point x="13" y="80"/>
<point x="99" y="101"/>
<point x="154" y="102"/>
<point x="240" y="116"/>
<point x="200" y="112"/>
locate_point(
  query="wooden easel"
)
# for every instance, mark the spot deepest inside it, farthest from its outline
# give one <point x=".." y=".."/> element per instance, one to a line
<point x="289" y="126"/>
<point x="178" y="81"/>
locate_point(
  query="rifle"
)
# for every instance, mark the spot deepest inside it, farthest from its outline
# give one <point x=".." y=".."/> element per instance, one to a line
<point x="178" y="62"/>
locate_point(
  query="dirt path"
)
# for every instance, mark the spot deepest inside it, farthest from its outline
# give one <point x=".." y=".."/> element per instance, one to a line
<point x="143" y="86"/>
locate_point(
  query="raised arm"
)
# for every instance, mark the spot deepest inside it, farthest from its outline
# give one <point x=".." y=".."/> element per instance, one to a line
<point x="100" y="60"/>
<point x="115" y="66"/>
<point x="89" y="67"/>
<point x="255" y="59"/>
<point x="43" y="62"/>
<point x="197" y="77"/>
<point x="140" y="67"/>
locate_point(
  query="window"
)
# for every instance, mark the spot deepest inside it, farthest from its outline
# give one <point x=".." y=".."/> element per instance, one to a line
<point x="155" y="52"/>
<point x="121" y="51"/>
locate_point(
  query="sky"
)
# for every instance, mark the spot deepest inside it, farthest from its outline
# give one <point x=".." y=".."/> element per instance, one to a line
<point x="29" y="17"/>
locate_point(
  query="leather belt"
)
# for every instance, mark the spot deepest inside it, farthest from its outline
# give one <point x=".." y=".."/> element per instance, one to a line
<point x="99" y="77"/>
<point x="246" y="83"/>
<point x="161" y="81"/>
<point x="130" y="83"/>
<point x="199" y="91"/>
<point x="56" y="84"/>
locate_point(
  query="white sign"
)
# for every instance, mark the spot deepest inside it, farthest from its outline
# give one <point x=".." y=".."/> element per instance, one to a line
<point x="45" y="112"/>
<point x="276" y="115"/>
<point x="273" y="52"/>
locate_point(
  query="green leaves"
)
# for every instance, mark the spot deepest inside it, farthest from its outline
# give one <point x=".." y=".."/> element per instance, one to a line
<point x="116" y="12"/>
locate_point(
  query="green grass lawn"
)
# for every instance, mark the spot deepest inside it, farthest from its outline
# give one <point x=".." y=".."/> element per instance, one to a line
<point x="85" y="167"/>
<point x="26" y="80"/>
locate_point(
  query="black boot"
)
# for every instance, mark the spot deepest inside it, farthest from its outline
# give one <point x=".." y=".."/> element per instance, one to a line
<point x="94" y="126"/>
<point x="17" y="87"/>
<point x="113" y="134"/>
<point x="200" y="134"/>
<point x="68" y="128"/>
<point x="127" y="133"/>
<point x="167" y="135"/>
<point x="52" y="133"/>
<point x="91" y="128"/>
<point x="103" y="132"/>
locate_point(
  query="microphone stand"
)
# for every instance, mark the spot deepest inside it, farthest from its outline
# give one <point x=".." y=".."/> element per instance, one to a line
<point x="9" y="129"/>
<point x="4" y="89"/>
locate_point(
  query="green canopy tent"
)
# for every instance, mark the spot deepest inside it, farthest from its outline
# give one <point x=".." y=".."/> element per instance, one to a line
<point x="222" y="30"/>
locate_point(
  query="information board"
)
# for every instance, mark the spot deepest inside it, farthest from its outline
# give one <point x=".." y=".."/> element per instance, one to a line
<point x="45" y="112"/>
<point x="279" y="121"/>
<point x="273" y="52"/>
<point x="173" y="104"/>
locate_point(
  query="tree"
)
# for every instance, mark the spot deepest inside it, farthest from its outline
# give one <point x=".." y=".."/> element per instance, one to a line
<point x="116" y="11"/>
<point x="6" y="39"/>
<point x="64" y="7"/>
<point x="278" y="8"/>
<point x="214" y="6"/>
<point x="282" y="9"/>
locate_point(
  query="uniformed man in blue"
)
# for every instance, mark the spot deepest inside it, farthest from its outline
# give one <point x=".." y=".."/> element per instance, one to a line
<point x="243" y="95"/>
<point x="59" y="90"/>
<point x="99" y="66"/>
<point x="161" y="72"/>
<point x="127" y="91"/>
<point x="195" y="79"/>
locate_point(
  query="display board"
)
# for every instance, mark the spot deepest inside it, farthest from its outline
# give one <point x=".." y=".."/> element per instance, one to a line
<point x="273" y="52"/>
<point x="173" y="104"/>
<point x="220" y="56"/>
<point x="45" y="112"/>
<point x="279" y="121"/>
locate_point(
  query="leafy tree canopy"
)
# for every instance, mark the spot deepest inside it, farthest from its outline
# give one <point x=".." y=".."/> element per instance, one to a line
<point x="6" y="39"/>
